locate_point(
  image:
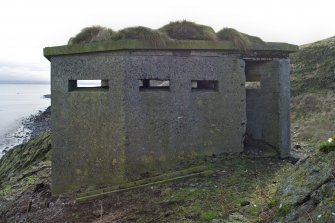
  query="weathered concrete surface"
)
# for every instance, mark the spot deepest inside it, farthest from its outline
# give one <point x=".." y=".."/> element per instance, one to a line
<point x="49" y="52"/>
<point x="114" y="135"/>
<point x="166" y="126"/>
<point x="108" y="136"/>
<point x="88" y="127"/>
<point x="268" y="107"/>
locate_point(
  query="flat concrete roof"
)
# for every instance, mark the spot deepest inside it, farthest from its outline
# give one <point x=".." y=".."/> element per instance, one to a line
<point x="127" y="44"/>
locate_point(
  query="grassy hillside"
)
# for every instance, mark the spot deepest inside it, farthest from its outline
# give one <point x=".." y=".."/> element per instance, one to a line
<point x="313" y="93"/>
<point x="313" y="67"/>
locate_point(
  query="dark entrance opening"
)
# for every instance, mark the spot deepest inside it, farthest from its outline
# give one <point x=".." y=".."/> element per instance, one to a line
<point x="253" y="87"/>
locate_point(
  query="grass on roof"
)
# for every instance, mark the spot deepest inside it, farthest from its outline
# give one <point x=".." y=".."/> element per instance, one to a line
<point x="240" y="40"/>
<point x="92" y="34"/>
<point x="155" y="37"/>
<point x="179" y="30"/>
<point x="185" y="30"/>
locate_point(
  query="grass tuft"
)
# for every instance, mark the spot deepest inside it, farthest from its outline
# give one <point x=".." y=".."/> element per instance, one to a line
<point x="179" y="30"/>
<point x="185" y="30"/>
<point x="155" y="37"/>
<point x="92" y="34"/>
<point x="328" y="146"/>
<point x="240" y="40"/>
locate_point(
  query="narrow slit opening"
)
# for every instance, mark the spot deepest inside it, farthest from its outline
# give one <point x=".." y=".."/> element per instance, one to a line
<point x="154" y="84"/>
<point x="252" y="85"/>
<point x="209" y="85"/>
<point x="88" y="84"/>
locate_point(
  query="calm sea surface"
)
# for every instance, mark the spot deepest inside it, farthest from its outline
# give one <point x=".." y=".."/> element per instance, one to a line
<point x="19" y="101"/>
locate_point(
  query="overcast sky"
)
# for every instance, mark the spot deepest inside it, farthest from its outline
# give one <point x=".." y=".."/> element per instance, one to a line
<point x="28" y="26"/>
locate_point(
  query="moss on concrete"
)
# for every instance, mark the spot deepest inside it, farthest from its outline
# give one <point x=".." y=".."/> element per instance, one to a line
<point x="125" y="44"/>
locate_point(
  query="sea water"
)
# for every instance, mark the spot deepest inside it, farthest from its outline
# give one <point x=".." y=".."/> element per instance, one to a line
<point x="17" y="102"/>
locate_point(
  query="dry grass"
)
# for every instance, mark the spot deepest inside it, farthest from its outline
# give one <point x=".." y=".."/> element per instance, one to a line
<point x="239" y="40"/>
<point x="92" y="34"/>
<point x="313" y="117"/>
<point x="254" y="39"/>
<point x="103" y="35"/>
<point x="185" y="30"/>
<point x="143" y="33"/>
<point x="179" y="30"/>
<point x="313" y="67"/>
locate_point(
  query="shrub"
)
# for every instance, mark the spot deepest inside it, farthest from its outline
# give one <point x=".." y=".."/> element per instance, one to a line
<point x="328" y="146"/>
<point x="185" y="30"/>
<point x="208" y="216"/>
<point x="283" y="210"/>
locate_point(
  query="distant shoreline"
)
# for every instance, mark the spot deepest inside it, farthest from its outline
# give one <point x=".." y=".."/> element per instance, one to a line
<point x="24" y="82"/>
<point x="31" y="127"/>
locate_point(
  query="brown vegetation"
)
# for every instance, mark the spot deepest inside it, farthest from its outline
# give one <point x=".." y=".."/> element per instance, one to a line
<point x="92" y="34"/>
<point x="185" y="30"/>
<point x="179" y="30"/>
<point x="143" y="33"/>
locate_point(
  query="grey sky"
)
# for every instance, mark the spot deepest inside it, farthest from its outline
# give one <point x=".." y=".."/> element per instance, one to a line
<point x="28" y="26"/>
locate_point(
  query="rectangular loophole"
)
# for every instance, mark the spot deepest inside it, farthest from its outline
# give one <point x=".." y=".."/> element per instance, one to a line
<point x="153" y="84"/>
<point x="88" y="84"/>
<point x="209" y="85"/>
<point x="249" y="85"/>
<point x="253" y="75"/>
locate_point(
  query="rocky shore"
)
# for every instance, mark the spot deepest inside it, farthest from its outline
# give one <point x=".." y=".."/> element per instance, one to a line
<point x="38" y="123"/>
<point x="31" y="127"/>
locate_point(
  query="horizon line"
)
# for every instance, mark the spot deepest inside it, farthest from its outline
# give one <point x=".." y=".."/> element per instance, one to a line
<point x="23" y="82"/>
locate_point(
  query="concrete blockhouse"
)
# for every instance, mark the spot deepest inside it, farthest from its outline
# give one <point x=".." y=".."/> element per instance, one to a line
<point x="159" y="105"/>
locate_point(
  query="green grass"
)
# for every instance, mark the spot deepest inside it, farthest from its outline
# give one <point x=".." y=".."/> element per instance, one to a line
<point x="326" y="147"/>
<point x="208" y="216"/>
